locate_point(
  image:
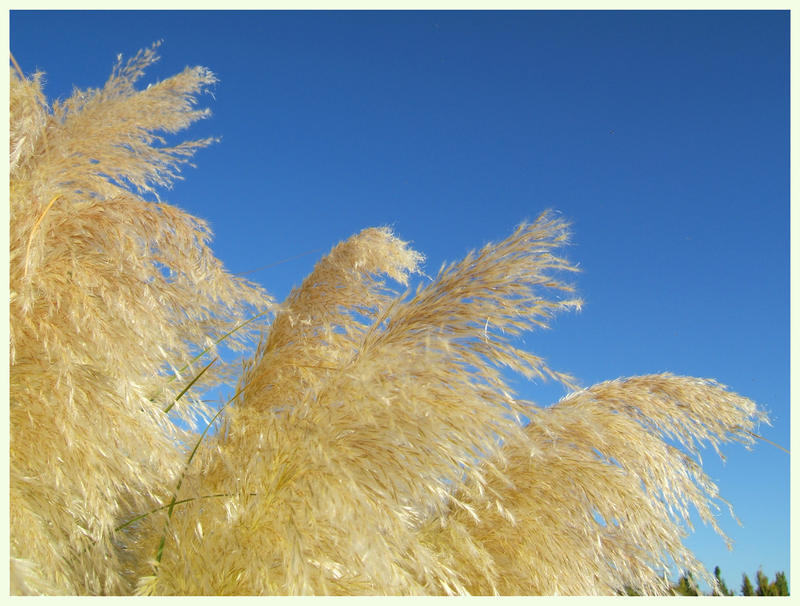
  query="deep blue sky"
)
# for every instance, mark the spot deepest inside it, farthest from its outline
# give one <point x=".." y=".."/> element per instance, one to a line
<point x="663" y="137"/>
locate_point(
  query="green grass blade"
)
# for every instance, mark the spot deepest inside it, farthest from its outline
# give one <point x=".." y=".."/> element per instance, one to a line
<point x="217" y="342"/>
<point x="124" y="525"/>
<point x="173" y="502"/>
<point x="189" y="386"/>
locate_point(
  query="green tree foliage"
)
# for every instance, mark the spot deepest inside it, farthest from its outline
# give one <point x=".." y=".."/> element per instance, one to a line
<point x="781" y="584"/>
<point x="747" y="586"/>
<point x="778" y="587"/>
<point x="686" y="585"/>
<point x="763" y="584"/>
<point x="722" y="588"/>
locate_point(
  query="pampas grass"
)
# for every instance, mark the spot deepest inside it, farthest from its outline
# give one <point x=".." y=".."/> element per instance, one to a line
<point x="110" y="295"/>
<point x="373" y="444"/>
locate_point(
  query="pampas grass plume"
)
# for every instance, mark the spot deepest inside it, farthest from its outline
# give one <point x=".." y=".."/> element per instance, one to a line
<point x="374" y="444"/>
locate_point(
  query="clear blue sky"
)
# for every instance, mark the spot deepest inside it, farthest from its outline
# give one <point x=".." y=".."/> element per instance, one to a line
<point x="663" y="136"/>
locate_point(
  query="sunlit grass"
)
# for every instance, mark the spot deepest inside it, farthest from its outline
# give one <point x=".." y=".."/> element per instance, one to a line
<point x="372" y="444"/>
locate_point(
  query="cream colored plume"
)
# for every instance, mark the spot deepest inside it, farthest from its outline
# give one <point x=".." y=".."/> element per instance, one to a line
<point x="374" y="444"/>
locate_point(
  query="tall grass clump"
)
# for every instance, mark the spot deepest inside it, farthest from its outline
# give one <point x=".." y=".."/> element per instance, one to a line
<point x="373" y="444"/>
<point x="111" y="295"/>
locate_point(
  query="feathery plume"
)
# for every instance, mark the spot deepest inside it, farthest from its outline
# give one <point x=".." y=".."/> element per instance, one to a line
<point x="110" y="296"/>
<point x="374" y="444"/>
